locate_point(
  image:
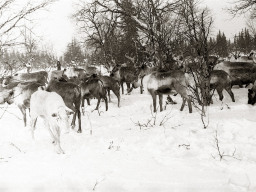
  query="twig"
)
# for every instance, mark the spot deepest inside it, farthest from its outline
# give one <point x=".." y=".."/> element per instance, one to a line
<point x="222" y="153"/>
<point x="187" y="146"/>
<point x="17" y="147"/>
<point x="165" y="119"/>
<point x="89" y="122"/>
<point x="5" y="111"/>
<point x="96" y="183"/>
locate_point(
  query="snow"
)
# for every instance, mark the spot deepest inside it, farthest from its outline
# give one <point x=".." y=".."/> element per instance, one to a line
<point x="114" y="154"/>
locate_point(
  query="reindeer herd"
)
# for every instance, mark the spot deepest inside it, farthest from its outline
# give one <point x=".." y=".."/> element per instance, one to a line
<point x="54" y="96"/>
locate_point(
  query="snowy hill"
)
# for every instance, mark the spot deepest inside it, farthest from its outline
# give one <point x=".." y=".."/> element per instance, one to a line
<point x="114" y="153"/>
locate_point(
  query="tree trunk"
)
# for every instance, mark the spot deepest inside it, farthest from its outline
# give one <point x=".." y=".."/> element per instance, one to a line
<point x="205" y="83"/>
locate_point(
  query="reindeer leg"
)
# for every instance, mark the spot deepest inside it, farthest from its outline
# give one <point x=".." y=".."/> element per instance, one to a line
<point x="23" y="111"/>
<point x="88" y="101"/>
<point x="189" y="106"/>
<point x="55" y="133"/>
<point x="33" y="126"/>
<point x="79" y="121"/>
<point x="161" y="102"/>
<point x="122" y="86"/>
<point x="128" y="85"/>
<point x="219" y="91"/>
<point x="183" y="103"/>
<point x="154" y="100"/>
<point x="106" y="102"/>
<point x="117" y="93"/>
<point x="228" y="89"/>
<point x="71" y="106"/>
<point x="82" y="105"/>
<point x="108" y="90"/>
<point x="98" y="103"/>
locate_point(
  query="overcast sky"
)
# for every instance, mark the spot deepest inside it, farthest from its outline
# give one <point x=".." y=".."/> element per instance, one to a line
<point x="57" y="28"/>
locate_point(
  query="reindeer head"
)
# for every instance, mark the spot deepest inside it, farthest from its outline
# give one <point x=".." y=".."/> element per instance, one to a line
<point x="115" y="72"/>
<point x="61" y="117"/>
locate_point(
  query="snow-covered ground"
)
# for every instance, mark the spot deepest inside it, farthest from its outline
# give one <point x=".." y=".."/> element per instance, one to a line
<point x="113" y="153"/>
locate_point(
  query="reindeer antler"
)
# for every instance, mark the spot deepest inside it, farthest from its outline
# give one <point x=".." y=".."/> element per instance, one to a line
<point x="132" y="59"/>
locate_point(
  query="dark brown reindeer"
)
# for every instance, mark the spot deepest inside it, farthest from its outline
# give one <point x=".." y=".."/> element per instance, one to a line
<point x="111" y="85"/>
<point x="91" y="88"/>
<point x="125" y="74"/>
<point x="71" y="94"/>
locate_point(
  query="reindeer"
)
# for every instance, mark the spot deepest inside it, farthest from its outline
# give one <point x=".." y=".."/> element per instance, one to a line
<point x="93" y="87"/>
<point x="252" y="94"/>
<point x="220" y="80"/>
<point x="159" y="83"/>
<point x="91" y="70"/>
<point x="111" y="84"/>
<point x="240" y="72"/>
<point x="20" y="95"/>
<point x="56" y="74"/>
<point x="125" y="74"/>
<point x="51" y="107"/>
<point x="40" y="77"/>
<point x="74" y="72"/>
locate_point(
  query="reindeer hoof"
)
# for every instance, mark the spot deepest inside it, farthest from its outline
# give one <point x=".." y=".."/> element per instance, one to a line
<point x="59" y="151"/>
<point x="79" y="131"/>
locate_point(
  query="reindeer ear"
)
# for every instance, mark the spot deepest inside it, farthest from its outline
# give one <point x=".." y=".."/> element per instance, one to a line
<point x="54" y="115"/>
<point x="41" y="88"/>
<point x="69" y="111"/>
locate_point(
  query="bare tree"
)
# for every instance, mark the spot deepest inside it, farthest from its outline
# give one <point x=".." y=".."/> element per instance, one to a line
<point x="155" y="20"/>
<point x="242" y="7"/>
<point x="12" y="13"/>
<point x="197" y="24"/>
<point x="251" y="24"/>
<point x="30" y="46"/>
<point x="99" y="29"/>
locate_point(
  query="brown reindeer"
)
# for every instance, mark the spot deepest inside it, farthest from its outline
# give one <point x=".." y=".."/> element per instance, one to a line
<point x="111" y="84"/>
<point x="124" y="74"/>
<point x="220" y="80"/>
<point x="93" y="87"/>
